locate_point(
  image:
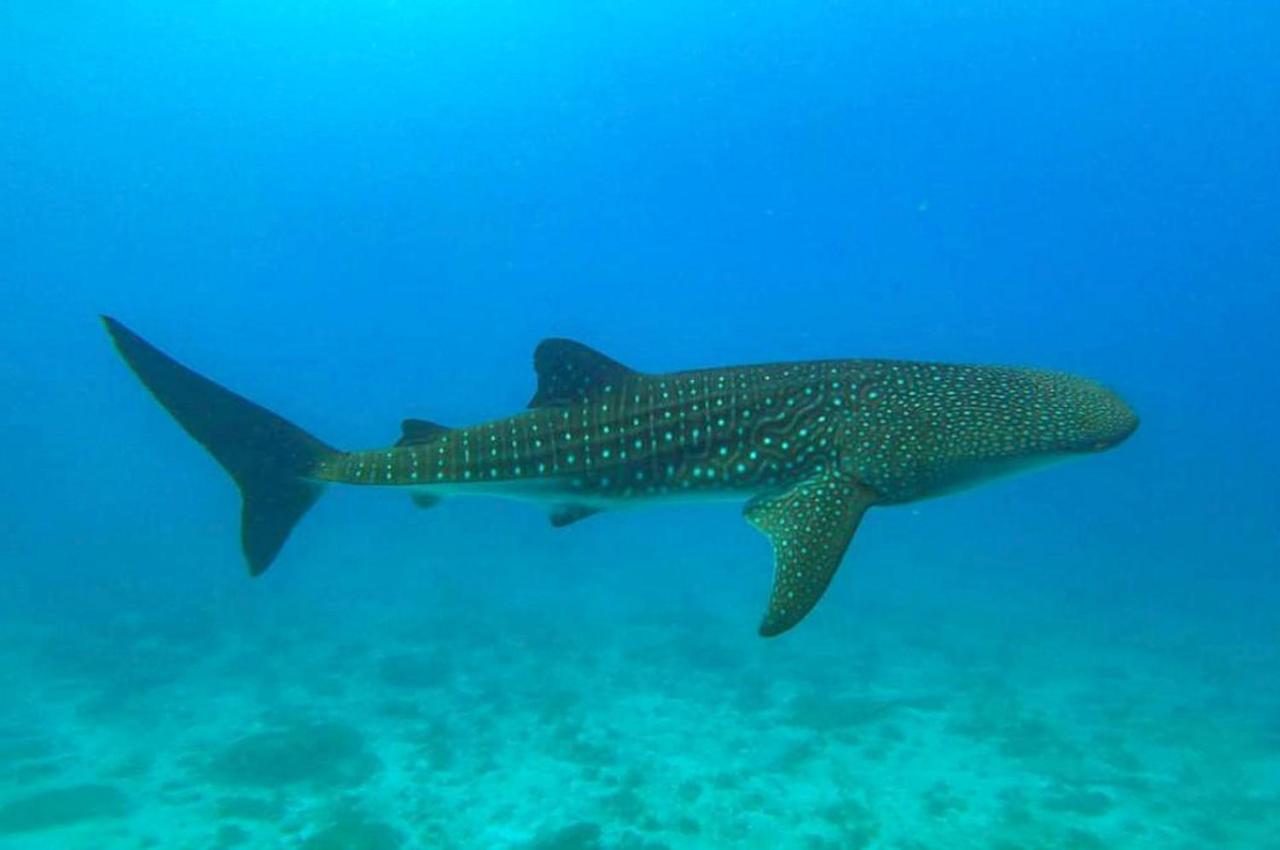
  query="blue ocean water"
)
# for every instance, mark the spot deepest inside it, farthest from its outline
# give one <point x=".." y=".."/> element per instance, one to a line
<point x="356" y="212"/>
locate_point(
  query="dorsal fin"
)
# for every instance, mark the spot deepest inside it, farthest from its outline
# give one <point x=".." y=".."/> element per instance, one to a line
<point x="569" y="372"/>
<point x="415" y="431"/>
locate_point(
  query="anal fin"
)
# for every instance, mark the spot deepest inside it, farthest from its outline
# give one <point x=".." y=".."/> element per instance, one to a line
<point x="562" y="515"/>
<point x="810" y="526"/>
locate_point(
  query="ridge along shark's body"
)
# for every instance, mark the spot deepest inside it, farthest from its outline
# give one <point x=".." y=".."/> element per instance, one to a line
<point x="810" y="445"/>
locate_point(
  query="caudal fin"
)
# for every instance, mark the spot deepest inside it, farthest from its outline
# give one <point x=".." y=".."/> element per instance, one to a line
<point x="267" y="455"/>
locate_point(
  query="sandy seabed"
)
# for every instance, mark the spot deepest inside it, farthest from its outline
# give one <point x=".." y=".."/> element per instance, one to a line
<point x="545" y="728"/>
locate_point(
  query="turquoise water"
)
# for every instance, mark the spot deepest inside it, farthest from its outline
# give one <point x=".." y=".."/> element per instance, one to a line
<point x="353" y="213"/>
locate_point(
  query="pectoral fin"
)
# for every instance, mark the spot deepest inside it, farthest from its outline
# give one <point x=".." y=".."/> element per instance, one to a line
<point x="810" y="526"/>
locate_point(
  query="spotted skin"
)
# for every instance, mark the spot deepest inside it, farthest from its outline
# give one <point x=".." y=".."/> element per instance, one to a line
<point x="645" y="436"/>
<point x="810" y="526"/>
<point x="904" y="430"/>
<point x="815" y="444"/>
<point x="811" y="446"/>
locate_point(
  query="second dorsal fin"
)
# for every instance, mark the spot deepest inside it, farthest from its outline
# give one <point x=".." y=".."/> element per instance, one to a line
<point x="415" y="431"/>
<point x="569" y="372"/>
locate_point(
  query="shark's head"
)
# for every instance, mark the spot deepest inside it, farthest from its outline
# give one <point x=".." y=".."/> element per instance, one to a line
<point x="994" y="421"/>
<point x="1075" y="415"/>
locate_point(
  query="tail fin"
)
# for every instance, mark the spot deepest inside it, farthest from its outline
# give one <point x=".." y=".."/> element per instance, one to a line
<point x="267" y="455"/>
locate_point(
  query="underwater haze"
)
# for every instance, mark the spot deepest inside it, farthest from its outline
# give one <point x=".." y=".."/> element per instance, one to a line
<point x="357" y="212"/>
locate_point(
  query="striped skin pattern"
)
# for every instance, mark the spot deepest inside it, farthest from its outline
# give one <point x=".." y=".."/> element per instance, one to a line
<point x="644" y="436"/>
<point x="810" y="446"/>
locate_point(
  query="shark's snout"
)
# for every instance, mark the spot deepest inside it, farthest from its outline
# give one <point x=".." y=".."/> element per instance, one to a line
<point x="1069" y="414"/>
<point x="1121" y="434"/>
<point x="1106" y="420"/>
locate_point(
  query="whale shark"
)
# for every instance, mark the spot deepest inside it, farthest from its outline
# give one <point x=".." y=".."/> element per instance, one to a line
<point x="808" y="446"/>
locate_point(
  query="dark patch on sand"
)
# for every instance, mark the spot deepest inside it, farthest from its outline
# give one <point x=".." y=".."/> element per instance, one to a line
<point x="416" y="670"/>
<point x="58" y="807"/>
<point x="323" y="754"/>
